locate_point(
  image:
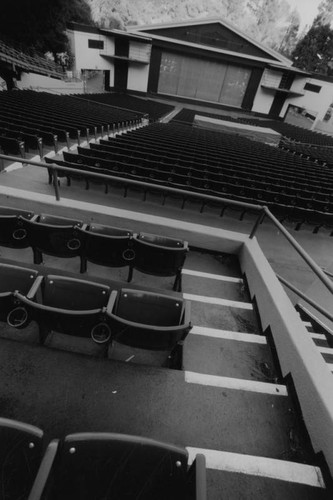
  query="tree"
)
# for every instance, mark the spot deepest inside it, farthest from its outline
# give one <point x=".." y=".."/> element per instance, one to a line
<point x="41" y="24"/>
<point x="290" y="38"/>
<point x="315" y="51"/>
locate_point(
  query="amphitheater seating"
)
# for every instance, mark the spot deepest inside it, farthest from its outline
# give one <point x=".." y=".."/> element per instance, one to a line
<point x="64" y="305"/>
<point x="13" y="278"/>
<point x="105" y="245"/>
<point x="58" y="117"/>
<point x="52" y="235"/>
<point x="154" y="109"/>
<point x="12" y="232"/>
<point x="159" y="256"/>
<point x="106" y="465"/>
<point x="21" y="451"/>
<point x="148" y="320"/>
<point x="12" y="146"/>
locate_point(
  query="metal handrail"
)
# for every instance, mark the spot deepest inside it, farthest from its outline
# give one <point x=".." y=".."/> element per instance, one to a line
<point x="262" y="209"/>
<point x="305" y="298"/>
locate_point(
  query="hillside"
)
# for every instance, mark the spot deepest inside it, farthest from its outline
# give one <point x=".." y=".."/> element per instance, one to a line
<point x="271" y="22"/>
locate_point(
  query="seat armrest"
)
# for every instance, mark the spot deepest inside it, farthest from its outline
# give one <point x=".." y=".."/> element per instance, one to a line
<point x="197" y="478"/>
<point x="35" y="287"/>
<point x="187" y="312"/>
<point x="44" y="471"/>
<point x="111" y="302"/>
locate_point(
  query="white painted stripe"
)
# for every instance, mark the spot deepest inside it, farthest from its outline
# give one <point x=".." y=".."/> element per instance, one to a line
<point x="17" y="165"/>
<point x="319" y="336"/>
<point x="226" y="334"/>
<point x="217" y="301"/>
<point x="218" y="277"/>
<point x="235" y="383"/>
<point x="307" y="323"/>
<point x="282" y="470"/>
<point x="14" y="166"/>
<point x="325" y="350"/>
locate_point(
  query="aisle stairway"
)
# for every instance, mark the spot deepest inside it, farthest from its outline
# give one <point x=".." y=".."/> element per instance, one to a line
<point x="226" y="400"/>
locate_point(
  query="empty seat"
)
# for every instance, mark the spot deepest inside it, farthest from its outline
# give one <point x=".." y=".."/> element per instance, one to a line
<point x="159" y="255"/>
<point x="105" y="245"/>
<point x="12" y="231"/>
<point x="116" y="466"/>
<point x="13" y="278"/>
<point x="148" y="320"/>
<point x="53" y="235"/>
<point x="21" y="451"/>
<point x="65" y="305"/>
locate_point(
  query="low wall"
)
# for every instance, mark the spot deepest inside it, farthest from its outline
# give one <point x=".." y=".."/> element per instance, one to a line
<point x="33" y="81"/>
<point x="296" y="350"/>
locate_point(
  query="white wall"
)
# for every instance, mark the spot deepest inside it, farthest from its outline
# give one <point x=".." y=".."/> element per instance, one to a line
<point x="138" y="77"/>
<point x="318" y="103"/>
<point x="264" y="98"/>
<point x="44" y="83"/>
<point x="86" y="58"/>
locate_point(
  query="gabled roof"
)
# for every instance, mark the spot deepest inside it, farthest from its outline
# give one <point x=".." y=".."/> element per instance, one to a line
<point x="153" y="31"/>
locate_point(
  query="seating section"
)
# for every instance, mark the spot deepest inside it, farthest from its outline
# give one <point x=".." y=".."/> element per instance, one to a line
<point x="14" y="278"/>
<point x="159" y="256"/>
<point x="153" y="109"/>
<point x="21" y="452"/>
<point x="12" y="231"/>
<point x="95" y="465"/>
<point x="148" y="320"/>
<point x="42" y="118"/>
<point x="223" y="165"/>
<point x="97" y="243"/>
<point x="33" y="62"/>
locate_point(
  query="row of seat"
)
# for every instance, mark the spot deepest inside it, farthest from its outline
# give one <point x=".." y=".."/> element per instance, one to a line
<point x="287" y="130"/>
<point x="90" y="465"/>
<point x="90" y="310"/>
<point x="61" y="117"/>
<point x="154" y="109"/>
<point x="101" y="244"/>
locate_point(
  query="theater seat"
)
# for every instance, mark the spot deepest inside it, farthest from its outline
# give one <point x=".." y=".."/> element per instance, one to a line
<point x="53" y="235"/>
<point x="12" y="232"/>
<point x="21" y="451"/>
<point x="65" y="305"/>
<point x="105" y="245"/>
<point x="148" y="320"/>
<point x="13" y="278"/>
<point x="159" y="255"/>
<point x="117" y="466"/>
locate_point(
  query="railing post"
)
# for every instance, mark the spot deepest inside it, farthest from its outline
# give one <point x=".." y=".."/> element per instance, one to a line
<point x="259" y="220"/>
<point x="56" y="184"/>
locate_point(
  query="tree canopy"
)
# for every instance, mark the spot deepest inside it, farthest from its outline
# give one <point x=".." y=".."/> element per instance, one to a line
<point x="314" y="52"/>
<point x="41" y="23"/>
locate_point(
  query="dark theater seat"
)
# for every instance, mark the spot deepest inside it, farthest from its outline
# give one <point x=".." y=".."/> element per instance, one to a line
<point x="65" y="305"/>
<point x="21" y="451"/>
<point x="115" y="466"/>
<point x="12" y="231"/>
<point x="53" y="235"/>
<point x="148" y="320"/>
<point x="105" y="245"/>
<point x="159" y="255"/>
<point x="13" y="278"/>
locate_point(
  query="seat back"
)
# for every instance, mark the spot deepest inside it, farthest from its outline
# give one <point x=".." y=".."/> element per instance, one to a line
<point x="106" y="245"/>
<point x="13" y="278"/>
<point x="149" y="308"/>
<point x="159" y="255"/>
<point x="106" y="466"/>
<point x="21" y="448"/>
<point x="12" y="232"/>
<point x="54" y="235"/>
<point x="149" y="321"/>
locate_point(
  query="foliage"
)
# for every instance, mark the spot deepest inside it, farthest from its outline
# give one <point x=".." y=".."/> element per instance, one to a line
<point x="314" y="52"/>
<point x="41" y="23"/>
